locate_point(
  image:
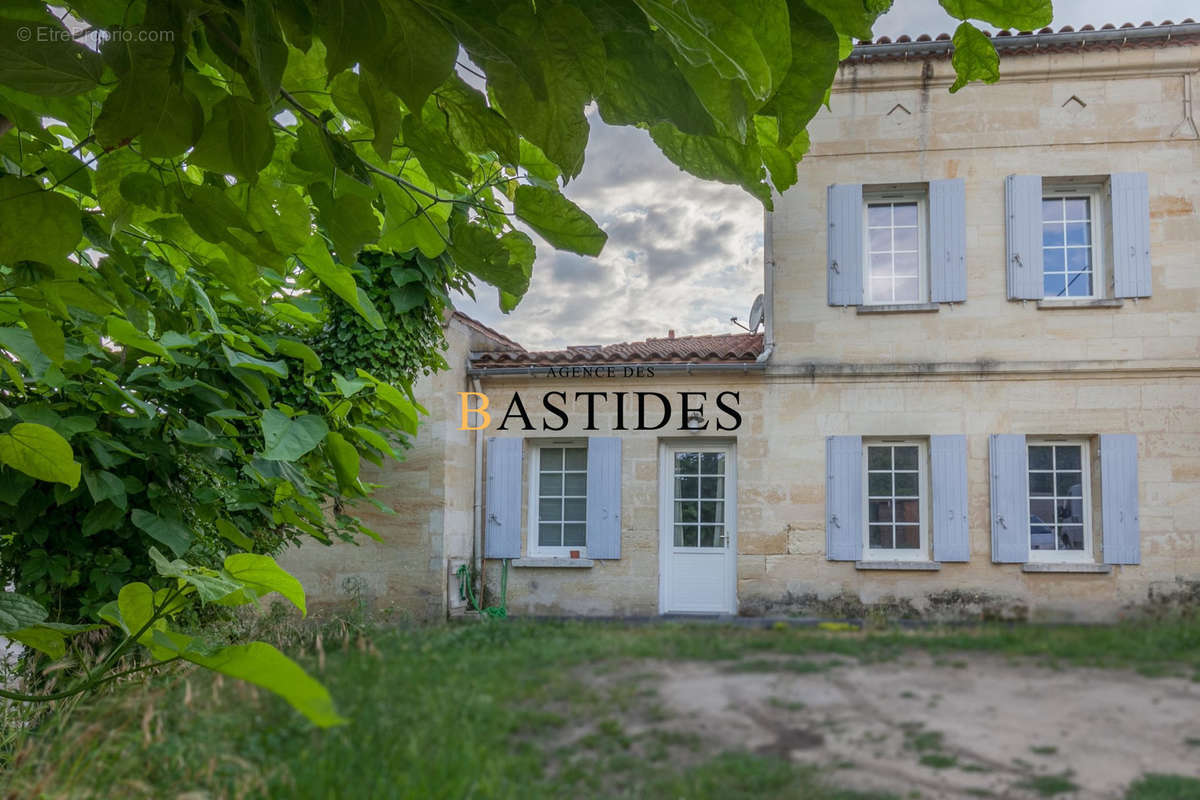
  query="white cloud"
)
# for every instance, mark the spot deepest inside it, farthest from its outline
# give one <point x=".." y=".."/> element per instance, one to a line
<point x="683" y="253"/>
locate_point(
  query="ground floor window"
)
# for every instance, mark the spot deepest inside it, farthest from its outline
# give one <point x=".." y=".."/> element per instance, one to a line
<point x="559" y="507"/>
<point x="895" y="500"/>
<point x="1059" y="500"/>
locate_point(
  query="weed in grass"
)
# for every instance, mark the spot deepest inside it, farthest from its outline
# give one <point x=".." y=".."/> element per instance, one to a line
<point x="925" y="742"/>
<point x="1163" y="787"/>
<point x="786" y="705"/>
<point x="1192" y="741"/>
<point x="1044" y="750"/>
<point x="975" y="768"/>
<point x="977" y="792"/>
<point x="907" y="695"/>
<point x="1049" y="785"/>
<point x="938" y="760"/>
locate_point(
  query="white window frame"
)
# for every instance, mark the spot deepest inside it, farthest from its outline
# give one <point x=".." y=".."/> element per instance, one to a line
<point x="1098" y="203"/>
<point x="897" y="195"/>
<point x="923" y="487"/>
<point x="1059" y="556"/>
<point x="533" y="548"/>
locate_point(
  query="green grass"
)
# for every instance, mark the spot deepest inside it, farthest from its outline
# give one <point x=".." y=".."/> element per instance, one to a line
<point x="1164" y="787"/>
<point x="500" y="710"/>
<point x="1044" y="750"/>
<point x="1050" y="785"/>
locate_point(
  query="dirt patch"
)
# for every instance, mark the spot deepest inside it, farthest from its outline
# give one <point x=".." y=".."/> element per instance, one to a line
<point x="978" y="726"/>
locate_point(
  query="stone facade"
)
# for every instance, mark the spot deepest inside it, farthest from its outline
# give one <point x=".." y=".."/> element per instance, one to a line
<point x="985" y="366"/>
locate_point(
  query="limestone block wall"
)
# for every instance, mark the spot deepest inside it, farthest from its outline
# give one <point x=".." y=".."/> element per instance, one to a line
<point x="430" y="491"/>
<point x="782" y="565"/>
<point x="1085" y="114"/>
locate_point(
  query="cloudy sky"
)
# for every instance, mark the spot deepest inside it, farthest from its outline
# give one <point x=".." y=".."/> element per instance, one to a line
<point x="682" y="253"/>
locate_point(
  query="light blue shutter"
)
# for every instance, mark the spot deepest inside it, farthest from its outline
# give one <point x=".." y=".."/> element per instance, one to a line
<point x="1130" y="234"/>
<point x="1023" y="227"/>
<point x="502" y="534"/>
<point x="948" y="465"/>
<point x="604" y="497"/>
<point x="947" y="241"/>
<point x="843" y="498"/>
<point x="1009" y="463"/>
<point x="1119" y="498"/>
<point x="845" y="210"/>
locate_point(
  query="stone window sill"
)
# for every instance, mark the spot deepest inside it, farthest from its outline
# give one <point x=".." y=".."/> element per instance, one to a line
<point x="1103" y="303"/>
<point x="914" y="566"/>
<point x="899" y="308"/>
<point x="1094" y="569"/>
<point x="547" y="563"/>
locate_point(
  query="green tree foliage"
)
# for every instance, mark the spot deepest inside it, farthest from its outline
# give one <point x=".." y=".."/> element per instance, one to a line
<point x="227" y="234"/>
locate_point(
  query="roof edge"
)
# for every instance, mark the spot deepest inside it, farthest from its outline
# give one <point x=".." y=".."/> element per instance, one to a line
<point x="1025" y="42"/>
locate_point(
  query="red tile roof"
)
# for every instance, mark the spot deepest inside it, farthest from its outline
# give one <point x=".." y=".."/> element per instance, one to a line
<point x="720" y="348"/>
<point x="1044" y="41"/>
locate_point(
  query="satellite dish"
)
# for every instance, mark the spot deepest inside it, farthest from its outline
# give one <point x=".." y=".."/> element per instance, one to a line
<point x="757" y="316"/>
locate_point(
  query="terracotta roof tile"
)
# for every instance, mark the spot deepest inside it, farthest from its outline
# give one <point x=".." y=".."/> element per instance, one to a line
<point x="1046" y="40"/>
<point x="720" y="348"/>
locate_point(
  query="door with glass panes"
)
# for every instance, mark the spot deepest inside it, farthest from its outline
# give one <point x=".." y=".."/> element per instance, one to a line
<point x="698" y="545"/>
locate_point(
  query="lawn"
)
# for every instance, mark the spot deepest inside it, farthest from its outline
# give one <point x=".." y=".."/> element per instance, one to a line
<point x="535" y="709"/>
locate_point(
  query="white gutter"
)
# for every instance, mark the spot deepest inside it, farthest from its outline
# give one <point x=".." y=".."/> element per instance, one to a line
<point x="477" y="517"/>
<point x="768" y="287"/>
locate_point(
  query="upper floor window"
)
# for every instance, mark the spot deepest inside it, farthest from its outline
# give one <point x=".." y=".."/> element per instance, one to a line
<point x="896" y="251"/>
<point x="1071" y="236"/>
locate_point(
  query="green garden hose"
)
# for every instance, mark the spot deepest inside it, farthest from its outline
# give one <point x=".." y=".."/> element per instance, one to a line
<point x="465" y="592"/>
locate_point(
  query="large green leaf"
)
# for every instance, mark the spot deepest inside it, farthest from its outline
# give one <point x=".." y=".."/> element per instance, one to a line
<point x="344" y="460"/>
<point x="559" y="221"/>
<point x="974" y="59"/>
<point x="211" y="586"/>
<point x="806" y="83"/>
<point x="339" y="279"/>
<point x="416" y="55"/>
<point x="265" y="50"/>
<point x="1024" y="15"/>
<point x="263" y="575"/>
<point x="39" y="452"/>
<point x="288" y="439"/>
<point x="745" y="41"/>
<point x="350" y="29"/>
<point x="262" y="665"/>
<point x="18" y="611"/>
<point x="715" y="158"/>
<point x="170" y="532"/>
<point x="643" y="86"/>
<point x="570" y="55"/>
<point x="473" y="125"/>
<point x="44" y="59"/>
<point x="36" y="225"/>
<point x="485" y="256"/>
<point x="48" y="637"/>
<point x="237" y="140"/>
<point x="47" y="334"/>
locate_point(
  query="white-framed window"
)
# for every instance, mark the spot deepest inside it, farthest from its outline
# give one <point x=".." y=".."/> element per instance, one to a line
<point x="895" y="247"/>
<point x="896" y="500"/>
<point x="1072" y="237"/>
<point x="699" y="498"/>
<point x="558" y="498"/>
<point x="1060" y="499"/>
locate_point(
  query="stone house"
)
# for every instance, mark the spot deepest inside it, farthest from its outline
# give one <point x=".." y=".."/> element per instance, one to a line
<point x="976" y="389"/>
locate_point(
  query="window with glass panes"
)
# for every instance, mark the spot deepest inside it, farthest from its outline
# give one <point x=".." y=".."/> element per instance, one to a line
<point x="1068" y="255"/>
<point x="562" y="497"/>
<point x="894" y="498"/>
<point x="1058" y="475"/>
<point x="699" y="499"/>
<point x="894" y="252"/>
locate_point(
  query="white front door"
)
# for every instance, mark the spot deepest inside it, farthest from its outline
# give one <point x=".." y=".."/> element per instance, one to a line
<point x="697" y="520"/>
